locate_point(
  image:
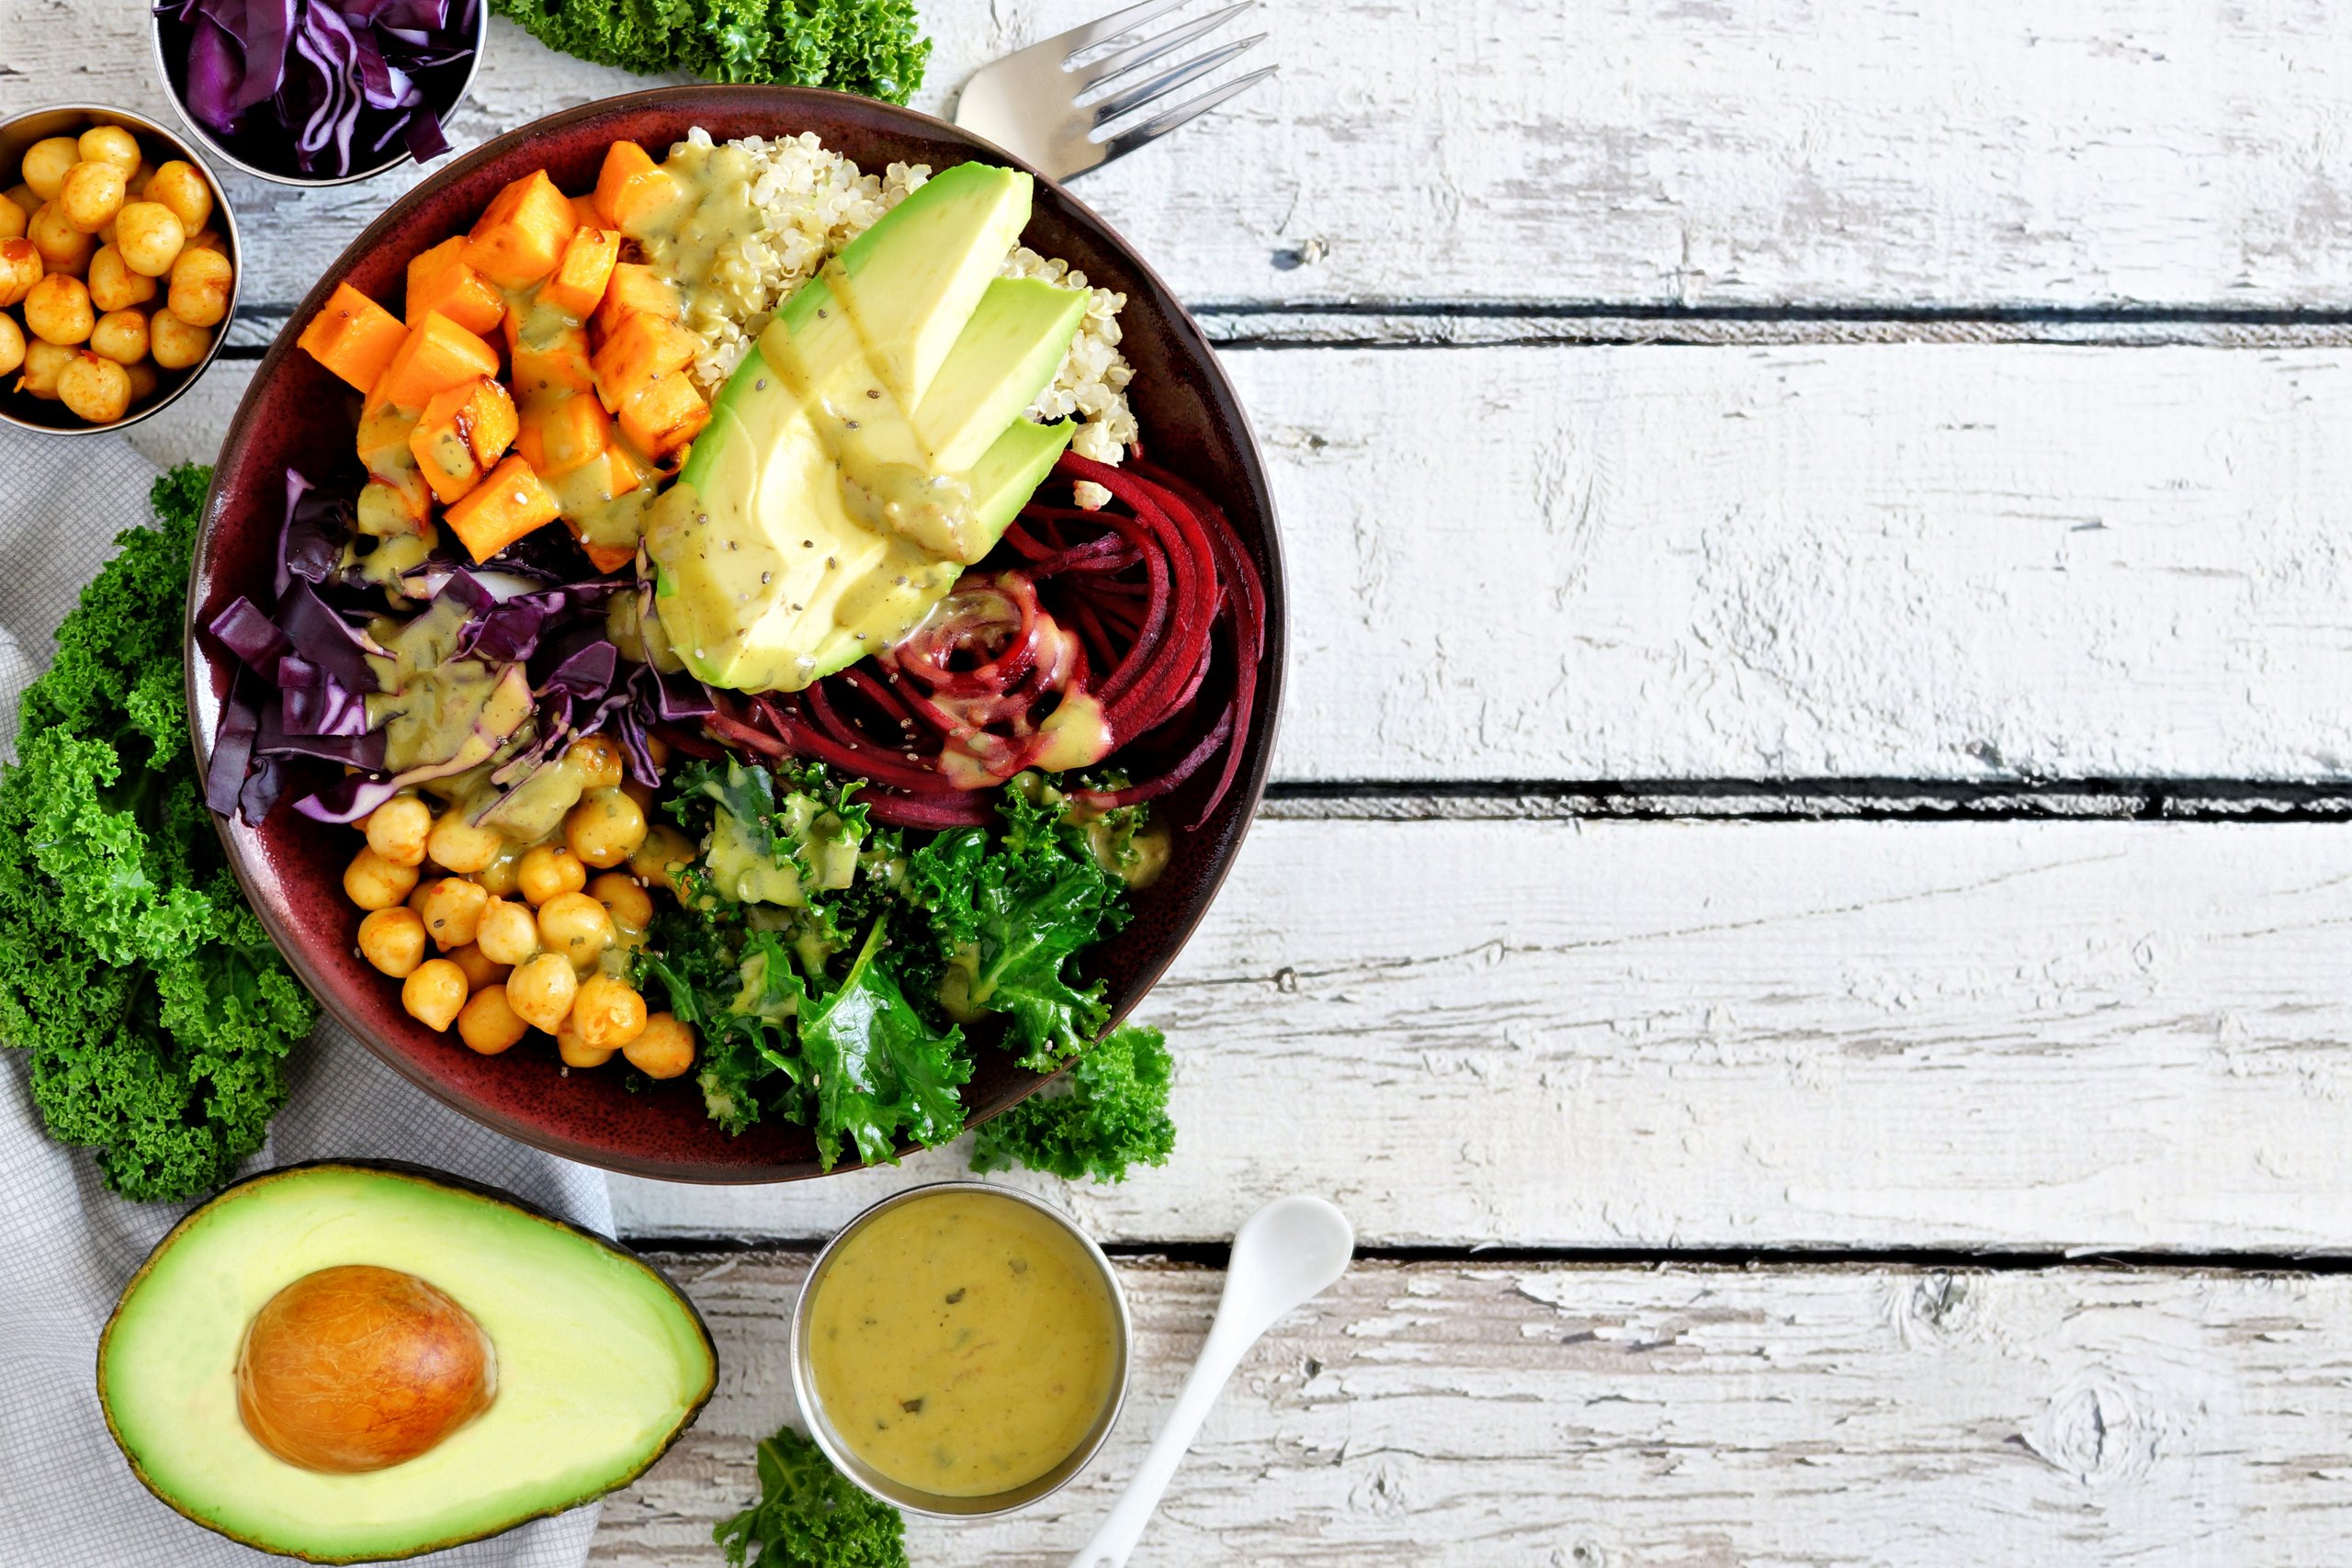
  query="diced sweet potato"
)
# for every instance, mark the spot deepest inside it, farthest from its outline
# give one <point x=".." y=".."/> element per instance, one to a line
<point x="579" y="277"/>
<point x="383" y="436"/>
<point x="353" y="336"/>
<point x="632" y="189"/>
<point x="462" y="433"/>
<point x="664" y="415"/>
<point x="637" y="353"/>
<point x="560" y="434"/>
<point x="636" y="289"/>
<point x="607" y="557"/>
<point x="584" y="213"/>
<point x="559" y="366"/>
<point x="520" y="235"/>
<point x="507" y="505"/>
<point x="440" y="280"/>
<point x="437" y="356"/>
<point x="394" y="506"/>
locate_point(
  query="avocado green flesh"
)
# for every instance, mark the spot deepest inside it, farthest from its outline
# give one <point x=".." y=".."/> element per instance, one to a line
<point x="600" y="1363"/>
<point x="1009" y="350"/>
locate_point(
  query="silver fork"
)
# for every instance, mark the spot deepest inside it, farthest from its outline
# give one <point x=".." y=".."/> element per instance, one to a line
<point x="1028" y="102"/>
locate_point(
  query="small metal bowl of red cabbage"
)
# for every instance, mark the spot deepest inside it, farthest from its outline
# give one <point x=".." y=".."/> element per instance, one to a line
<point x="315" y="93"/>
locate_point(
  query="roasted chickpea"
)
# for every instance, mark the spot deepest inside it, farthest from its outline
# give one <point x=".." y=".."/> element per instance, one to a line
<point x="488" y="1024"/>
<point x="397" y="829"/>
<point x="597" y="762"/>
<point x="176" y="345"/>
<point x="576" y="926"/>
<point x="374" y="883"/>
<point x="91" y="196"/>
<point x="144" y="381"/>
<point x="452" y="905"/>
<point x="114" y="287"/>
<point x="121" y="335"/>
<point x="630" y="905"/>
<point x="208" y="240"/>
<point x="542" y="990"/>
<point x="578" y="1053"/>
<point x="12" y="343"/>
<point x="199" y="293"/>
<point x="21" y="269"/>
<point x="58" y="311"/>
<point x="507" y="932"/>
<point x="150" y="237"/>
<point x="94" y="388"/>
<point x="547" y="871"/>
<point x="433" y="993"/>
<point x="660" y="858"/>
<point x="665" y="1048"/>
<point x="64" y="248"/>
<point x="179" y="187"/>
<point x="607" y="1014"/>
<point x="461" y="847"/>
<point x="46" y="162"/>
<point x="44" y="362"/>
<point x="141" y="177"/>
<point x="13" y="219"/>
<point x="605" y="828"/>
<point x="481" y="970"/>
<point x="498" y="877"/>
<point x="109" y="144"/>
<point x="393" y="941"/>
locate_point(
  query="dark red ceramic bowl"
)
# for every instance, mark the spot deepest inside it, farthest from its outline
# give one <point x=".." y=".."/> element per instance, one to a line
<point x="297" y="415"/>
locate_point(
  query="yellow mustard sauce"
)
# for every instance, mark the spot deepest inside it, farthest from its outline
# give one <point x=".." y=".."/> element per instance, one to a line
<point x="962" y="1343"/>
<point x="584" y="490"/>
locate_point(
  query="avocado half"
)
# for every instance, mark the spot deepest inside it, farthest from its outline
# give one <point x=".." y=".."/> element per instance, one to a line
<point x="602" y="1361"/>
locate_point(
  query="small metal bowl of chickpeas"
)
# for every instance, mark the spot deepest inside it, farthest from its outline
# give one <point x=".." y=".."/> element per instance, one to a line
<point x="119" y="268"/>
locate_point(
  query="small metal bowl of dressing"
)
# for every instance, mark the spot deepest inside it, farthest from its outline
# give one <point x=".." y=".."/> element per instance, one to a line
<point x="961" y="1349"/>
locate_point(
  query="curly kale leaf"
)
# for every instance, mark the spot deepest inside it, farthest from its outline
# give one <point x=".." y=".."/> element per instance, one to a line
<point x="737" y="987"/>
<point x="810" y="1516"/>
<point x="869" y="47"/>
<point x="1111" y="1116"/>
<point x="878" y="1070"/>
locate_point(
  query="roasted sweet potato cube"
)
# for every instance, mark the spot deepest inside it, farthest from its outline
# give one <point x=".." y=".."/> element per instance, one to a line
<point x="462" y="433"/>
<point x="631" y="188"/>
<point x="383" y="436"/>
<point x="508" y="503"/>
<point x="440" y="280"/>
<point x="520" y="235"/>
<point x="664" y="415"/>
<point x="400" y="505"/>
<point x="579" y="277"/>
<point x="607" y="557"/>
<point x="558" y="435"/>
<point x="557" y="366"/>
<point x="353" y="336"/>
<point x="438" y="354"/>
<point x="584" y="213"/>
<point x="637" y="291"/>
<point x="637" y="353"/>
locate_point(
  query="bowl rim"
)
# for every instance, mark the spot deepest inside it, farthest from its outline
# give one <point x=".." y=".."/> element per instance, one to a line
<point x="309" y="182"/>
<point x="221" y="211"/>
<point x="1242" y="800"/>
<point x="1063" y="1471"/>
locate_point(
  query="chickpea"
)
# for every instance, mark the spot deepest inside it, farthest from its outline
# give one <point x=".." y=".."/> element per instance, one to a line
<point x="578" y="1053"/>
<point x="498" y="877"/>
<point x="459" y="845"/>
<point x="659" y="860"/>
<point x="46" y="162"/>
<point x="141" y="177"/>
<point x="22" y="195"/>
<point x="451" y="906"/>
<point x="630" y="905"/>
<point x="144" y="381"/>
<point x="541" y="991"/>
<point x="13" y="219"/>
<point x="576" y="926"/>
<point x="44" y="362"/>
<point x="150" y="237"/>
<point x="109" y="144"/>
<point x="21" y="269"/>
<point x="597" y="761"/>
<point x="393" y="941"/>
<point x="488" y="1024"/>
<point x="208" y="240"/>
<point x="176" y="345"/>
<point x="481" y="970"/>
<point x="605" y="829"/>
<point x="547" y="871"/>
<point x="663" y="1049"/>
<point x="12" y="343"/>
<point x="374" y="883"/>
<point x="200" y="288"/>
<point x="114" y="287"/>
<point x="58" y="310"/>
<point x="179" y="187"/>
<point x="433" y="993"/>
<point x="609" y="1013"/>
<point x="507" y="932"/>
<point x="94" y="388"/>
<point x="64" y="248"/>
<point x="397" y="830"/>
<point x="121" y="335"/>
<point x="91" y="196"/>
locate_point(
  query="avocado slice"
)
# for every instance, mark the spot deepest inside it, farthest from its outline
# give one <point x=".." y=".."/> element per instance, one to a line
<point x="1009" y="351"/>
<point x="601" y="1361"/>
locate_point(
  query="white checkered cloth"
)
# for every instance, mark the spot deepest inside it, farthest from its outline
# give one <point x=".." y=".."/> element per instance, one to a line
<point x="66" y="1243"/>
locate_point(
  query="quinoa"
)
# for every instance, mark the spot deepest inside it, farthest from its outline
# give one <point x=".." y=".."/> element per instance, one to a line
<point x="810" y="202"/>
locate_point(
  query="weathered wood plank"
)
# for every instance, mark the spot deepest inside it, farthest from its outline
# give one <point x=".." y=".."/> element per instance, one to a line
<point x="1727" y="153"/>
<point x="1573" y="1417"/>
<point x="1975" y="563"/>
<point x="2047" y="1035"/>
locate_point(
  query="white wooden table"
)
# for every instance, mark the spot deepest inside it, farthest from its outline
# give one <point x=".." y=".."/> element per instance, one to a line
<point x="1805" y="910"/>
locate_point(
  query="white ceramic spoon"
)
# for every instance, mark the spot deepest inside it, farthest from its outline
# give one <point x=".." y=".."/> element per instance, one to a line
<point x="1288" y="1253"/>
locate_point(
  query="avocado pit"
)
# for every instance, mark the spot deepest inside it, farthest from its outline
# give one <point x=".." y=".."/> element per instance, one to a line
<point x="357" y="1367"/>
